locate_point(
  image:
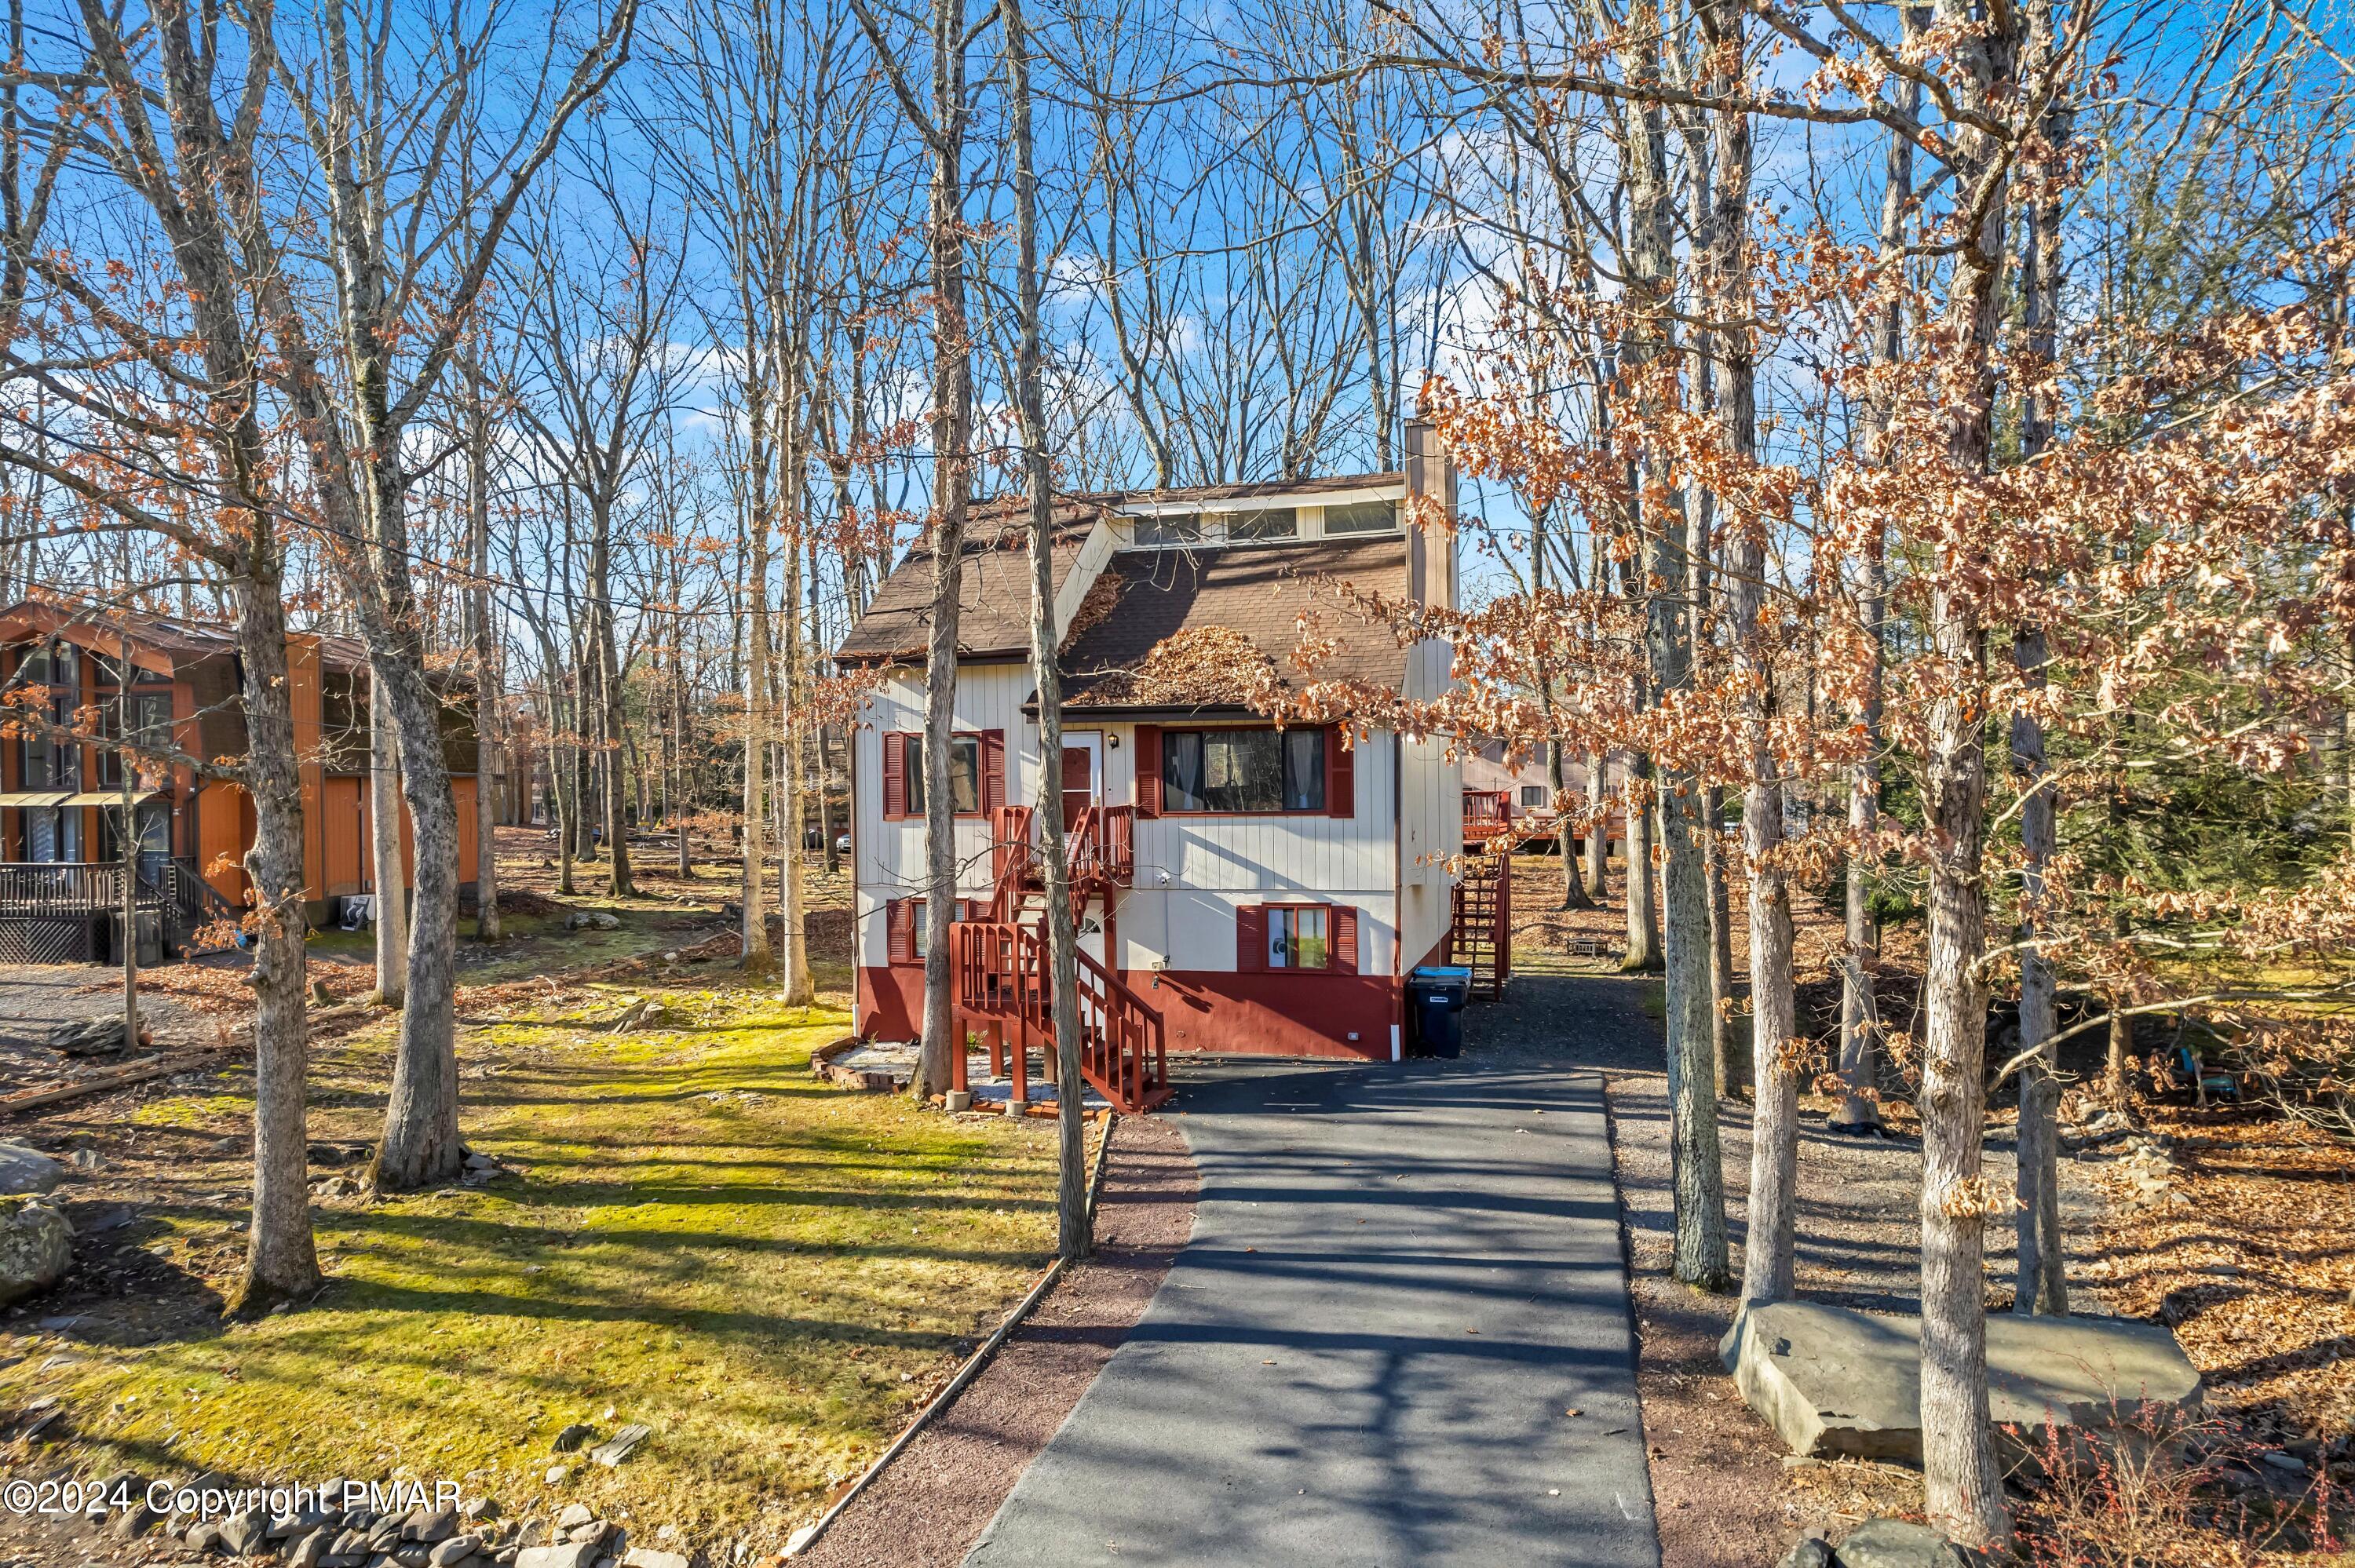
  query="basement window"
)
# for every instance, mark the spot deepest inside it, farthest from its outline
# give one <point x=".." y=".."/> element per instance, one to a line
<point x="1297" y="938"/>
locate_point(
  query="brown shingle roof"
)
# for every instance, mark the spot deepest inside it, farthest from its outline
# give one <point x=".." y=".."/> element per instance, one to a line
<point x="994" y="611"/>
<point x="1214" y="597"/>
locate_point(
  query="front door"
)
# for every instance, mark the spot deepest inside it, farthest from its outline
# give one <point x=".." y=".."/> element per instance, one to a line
<point x="1083" y="772"/>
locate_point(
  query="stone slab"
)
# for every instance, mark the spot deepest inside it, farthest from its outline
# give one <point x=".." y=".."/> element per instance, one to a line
<point x="1839" y="1384"/>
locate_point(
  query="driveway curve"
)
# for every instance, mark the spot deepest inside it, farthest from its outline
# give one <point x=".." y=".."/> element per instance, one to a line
<point x="1399" y="1335"/>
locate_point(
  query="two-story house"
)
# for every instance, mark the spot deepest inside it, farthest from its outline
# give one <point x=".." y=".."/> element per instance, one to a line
<point x="62" y="799"/>
<point x="1253" y="888"/>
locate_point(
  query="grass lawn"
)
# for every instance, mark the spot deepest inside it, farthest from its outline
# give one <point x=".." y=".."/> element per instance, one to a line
<point x="693" y="1234"/>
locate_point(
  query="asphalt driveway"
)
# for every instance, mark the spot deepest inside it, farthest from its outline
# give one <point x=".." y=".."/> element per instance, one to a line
<point x="1399" y="1335"/>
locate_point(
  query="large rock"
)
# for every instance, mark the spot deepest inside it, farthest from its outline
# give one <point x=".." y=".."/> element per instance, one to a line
<point x="1893" y="1543"/>
<point x="24" y="1170"/>
<point x="1834" y="1383"/>
<point x="36" y="1246"/>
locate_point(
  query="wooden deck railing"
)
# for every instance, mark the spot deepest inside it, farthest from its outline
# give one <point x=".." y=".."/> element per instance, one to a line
<point x="1487" y="812"/>
<point x="1102" y="844"/>
<point x="1003" y="978"/>
<point x="168" y="886"/>
<point x="33" y="887"/>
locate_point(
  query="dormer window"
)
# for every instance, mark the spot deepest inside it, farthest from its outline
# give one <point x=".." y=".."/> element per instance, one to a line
<point x="1267" y="523"/>
<point x="1362" y="517"/>
<point x="1170" y="528"/>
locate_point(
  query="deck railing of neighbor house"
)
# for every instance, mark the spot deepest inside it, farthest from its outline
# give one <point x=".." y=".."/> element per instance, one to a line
<point x="56" y="913"/>
<point x="1487" y="813"/>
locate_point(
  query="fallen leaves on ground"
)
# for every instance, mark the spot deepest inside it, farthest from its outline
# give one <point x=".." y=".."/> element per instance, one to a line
<point x="2252" y="1263"/>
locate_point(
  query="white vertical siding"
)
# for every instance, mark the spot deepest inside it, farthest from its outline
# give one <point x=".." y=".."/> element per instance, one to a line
<point x="890" y="854"/>
<point x="1191" y="871"/>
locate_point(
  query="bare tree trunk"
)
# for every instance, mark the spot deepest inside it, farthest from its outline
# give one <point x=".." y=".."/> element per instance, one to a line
<point x="1699" y="1170"/>
<point x="1643" y="954"/>
<point x="826" y="806"/>
<point x="281" y="1262"/>
<point x="792" y="894"/>
<point x="2118" y="1072"/>
<point x="2042" y="1279"/>
<point x="1860" y="1019"/>
<point x="952" y="436"/>
<point x="1767" y="1263"/>
<point x="489" y="696"/>
<point x="758" y="725"/>
<point x="617" y="823"/>
<point x="1573" y="891"/>
<point x="1574" y="895"/>
<point x="1725" y="1048"/>
<point x="421" y="1145"/>
<point x="1073" y="1231"/>
<point x="1963" y="1485"/>
<point x="1598" y="836"/>
<point x="128" y="855"/>
<point x="562" y="785"/>
<point x="682" y="804"/>
<point x="384" y="821"/>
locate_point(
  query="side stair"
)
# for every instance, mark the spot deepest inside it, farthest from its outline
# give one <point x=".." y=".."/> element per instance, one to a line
<point x="1480" y="936"/>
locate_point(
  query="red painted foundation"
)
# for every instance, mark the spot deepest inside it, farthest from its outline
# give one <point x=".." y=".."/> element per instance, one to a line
<point x="1211" y="1011"/>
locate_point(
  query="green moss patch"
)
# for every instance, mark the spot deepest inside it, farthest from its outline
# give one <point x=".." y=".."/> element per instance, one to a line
<point x="692" y="1234"/>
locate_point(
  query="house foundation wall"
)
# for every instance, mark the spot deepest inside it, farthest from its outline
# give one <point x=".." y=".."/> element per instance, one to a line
<point x="1210" y="1012"/>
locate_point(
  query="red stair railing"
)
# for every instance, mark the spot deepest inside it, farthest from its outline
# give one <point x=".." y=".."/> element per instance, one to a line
<point x="1003" y="975"/>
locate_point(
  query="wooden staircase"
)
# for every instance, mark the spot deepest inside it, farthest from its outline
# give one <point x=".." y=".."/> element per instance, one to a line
<point x="1480" y="936"/>
<point x="1005" y="979"/>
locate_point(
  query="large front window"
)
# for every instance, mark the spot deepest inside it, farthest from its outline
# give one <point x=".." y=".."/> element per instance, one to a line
<point x="1253" y="771"/>
<point x="964" y="773"/>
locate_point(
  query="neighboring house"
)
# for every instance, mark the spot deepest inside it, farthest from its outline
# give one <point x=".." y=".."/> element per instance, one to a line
<point x="1242" y="888"/>
<point x="1527" y="789"/>
<point x="60" y="802"/>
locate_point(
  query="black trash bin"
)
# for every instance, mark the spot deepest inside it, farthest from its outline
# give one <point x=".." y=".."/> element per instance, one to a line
<point x="1438" y="994"/>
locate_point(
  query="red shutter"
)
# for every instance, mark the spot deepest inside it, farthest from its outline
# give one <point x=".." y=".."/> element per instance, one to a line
<point x="993" y="770"/>
<point x="895" y="775"/>
<point x="900" y="931"/>
<point x="1344" y="948"/>
<point x="1250" y="938"/>
<point x="1340" y="774"/>
<point x="1148" y="770"/>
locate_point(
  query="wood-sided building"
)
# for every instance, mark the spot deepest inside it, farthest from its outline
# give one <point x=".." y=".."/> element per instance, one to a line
<point x="1244" y="888"/>
<point x="62" y="799"/>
